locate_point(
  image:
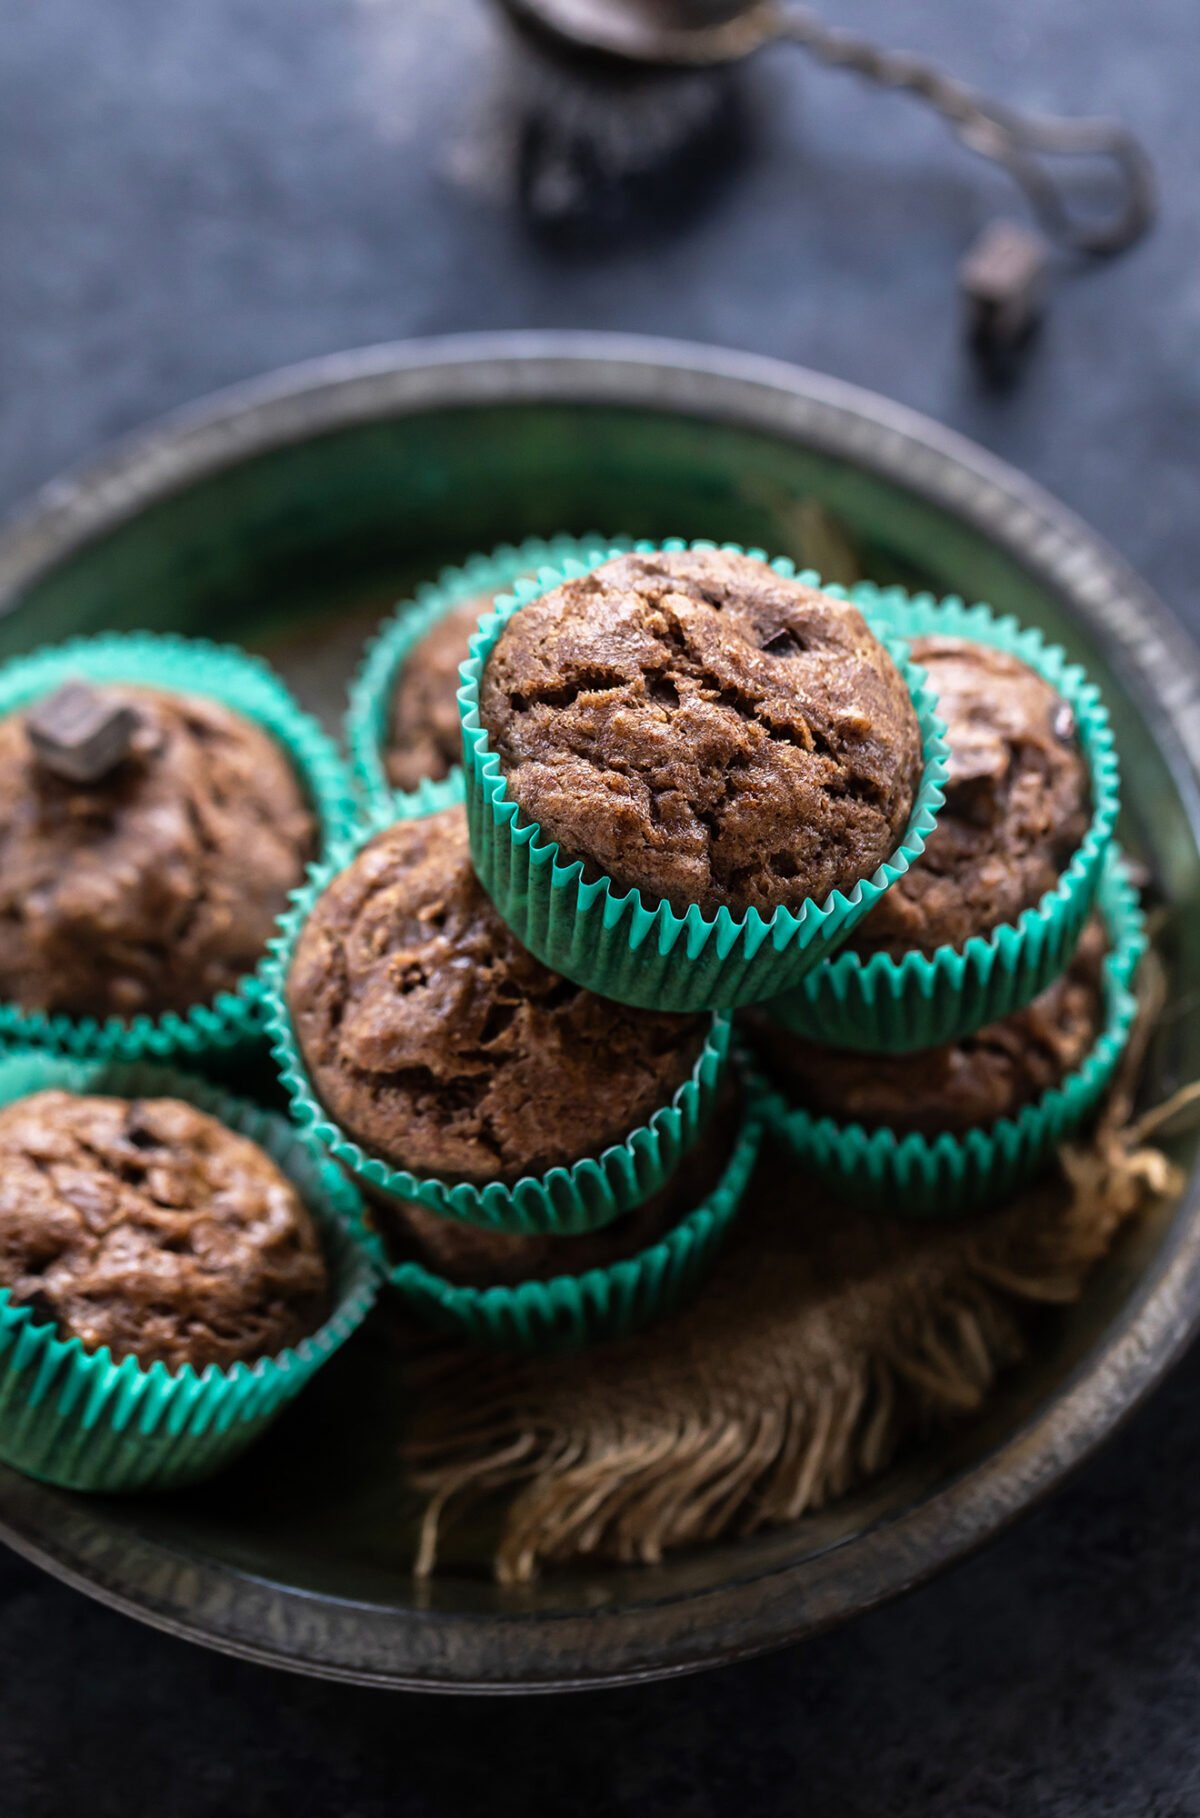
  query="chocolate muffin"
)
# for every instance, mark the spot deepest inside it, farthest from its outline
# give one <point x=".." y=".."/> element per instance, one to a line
<point x="474" y="1257"/>
<point x="702" y="728"/>
<point x="147" y="1226"/>
<point x="157" y="886"/>
<point x="443" y="1047"/>
<point x="975" y="1081"/>
<point x="424" y="725"/>
<point x="1017" y="803"/>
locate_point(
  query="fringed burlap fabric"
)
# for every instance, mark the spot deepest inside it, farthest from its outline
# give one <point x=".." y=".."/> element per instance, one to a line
<point x="828" y="1338"/>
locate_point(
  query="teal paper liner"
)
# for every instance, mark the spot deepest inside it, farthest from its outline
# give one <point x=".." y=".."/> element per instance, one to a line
<point x="368" y="716"/>
<point x="79" y="1419"/>
<point x="249" y="686"/>
<point x="586" y="1196"/>
<point x="882" y="1005"/>
<point x="611" y="941"/>
<point x="570" y="1312"/>
<point x="950" y="1174"/>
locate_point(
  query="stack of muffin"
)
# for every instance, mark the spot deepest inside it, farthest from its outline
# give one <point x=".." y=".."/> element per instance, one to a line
<point x="608" y="796"/>
<point x="506" y="1010"/>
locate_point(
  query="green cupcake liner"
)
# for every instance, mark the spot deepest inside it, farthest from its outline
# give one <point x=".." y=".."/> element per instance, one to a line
<point x="569" y="1312"/>
<point x="79" y="1419"/>
<point x="369" y="712"/>
<point x="947" y="1175"/>
<point x="583" y="1197"/>
<point x="881" y="1005"/>
<point x="612" y="941"/>
<point x="245" y="683"/>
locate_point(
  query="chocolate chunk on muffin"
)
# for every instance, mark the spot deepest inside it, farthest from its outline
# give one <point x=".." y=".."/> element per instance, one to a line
<point x="1017" y="803"/>
<point x="975" y="1081"/>
<point x="707" y="730"/>
<point x="155" y="886"/>
<point x="147" y="1226"/>
<point x="441" y="1046"/>
<point x="424" y="726"/>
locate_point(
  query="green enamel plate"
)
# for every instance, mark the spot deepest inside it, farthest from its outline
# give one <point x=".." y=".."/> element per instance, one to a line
<point x="293" y="516"/>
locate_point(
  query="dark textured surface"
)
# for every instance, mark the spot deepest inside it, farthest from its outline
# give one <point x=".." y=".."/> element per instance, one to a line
<point x="196" y="193"/>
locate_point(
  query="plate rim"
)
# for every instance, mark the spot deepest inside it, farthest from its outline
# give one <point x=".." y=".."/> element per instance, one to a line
<point x="680" y="1634"/>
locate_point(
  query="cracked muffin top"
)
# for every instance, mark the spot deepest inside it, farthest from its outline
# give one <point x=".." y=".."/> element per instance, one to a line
<point x="147" y="1226"/>
<point x="443" y="1047"/>
<point x="157" y="886"/>
<point x="975" y="1081"/>
<point x="1017" y="803"/>
<point x="424" y="726"/>
<point x="702" y="728"/>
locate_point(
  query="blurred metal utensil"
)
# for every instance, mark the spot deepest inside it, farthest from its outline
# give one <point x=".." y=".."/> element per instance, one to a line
<point x="693" y="32"/>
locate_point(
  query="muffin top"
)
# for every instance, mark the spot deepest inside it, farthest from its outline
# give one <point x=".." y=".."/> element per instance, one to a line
<point x="443" y="1047"/>
<point x="702" y="728"/>
<point x="1017" y="803"/>
<point x="156" y="886"/>
<point x="424" y="725"/>
<point x="147" y="1226"/>
<point x="983" y="1077"/>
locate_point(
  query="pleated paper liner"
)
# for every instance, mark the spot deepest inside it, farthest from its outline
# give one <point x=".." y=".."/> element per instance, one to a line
<point x="78" y="1418"/>
<point x="368" y="716"/>
<point x="645" y="953"/>
<point x="247" y="685"/>
<point x="951" y="1174"/>
<point x="585" y="1196"/>
<point x="882" y="1005"/>
<point x="569" y="1312"/>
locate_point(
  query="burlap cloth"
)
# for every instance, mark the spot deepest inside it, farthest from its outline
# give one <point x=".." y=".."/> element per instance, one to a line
<point x="826" y="1340"/>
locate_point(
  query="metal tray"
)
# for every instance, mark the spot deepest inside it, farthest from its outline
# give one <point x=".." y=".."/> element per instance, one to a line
<point x="289" y="515"/>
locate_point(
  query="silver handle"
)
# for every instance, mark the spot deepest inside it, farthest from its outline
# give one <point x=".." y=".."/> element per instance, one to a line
<point x="1017" y="141"/>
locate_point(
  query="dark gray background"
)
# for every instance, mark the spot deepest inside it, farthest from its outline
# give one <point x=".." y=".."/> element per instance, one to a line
<point x="193" y="192"/>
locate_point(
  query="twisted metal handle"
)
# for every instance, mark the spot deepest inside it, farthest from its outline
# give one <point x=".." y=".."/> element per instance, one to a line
<point x="1017" y="141"/>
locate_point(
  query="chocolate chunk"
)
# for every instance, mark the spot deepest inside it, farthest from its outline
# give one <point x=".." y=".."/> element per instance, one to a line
<point x="139" y="1126"/>
<point x="1063" y="723"/>
<point x="79" y="733"/>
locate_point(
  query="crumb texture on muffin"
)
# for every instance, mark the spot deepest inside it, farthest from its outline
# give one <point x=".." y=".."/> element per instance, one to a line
<point x="443" y="1047"/>
<point x="424" y="726"/>
<point x="157" y="887"/>
<point x="702" y="728"/>
<point x="148" y="1226"/>
<point x="1017" y="803"/>
<point x="975" y="1081"/>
